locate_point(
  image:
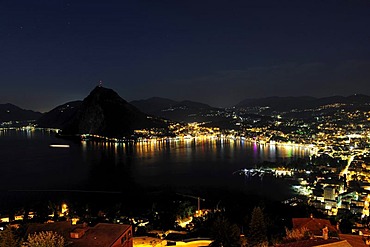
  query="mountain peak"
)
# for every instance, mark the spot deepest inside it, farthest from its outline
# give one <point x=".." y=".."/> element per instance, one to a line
<point x="102" y="93"/>
<point x="104" y="112"/>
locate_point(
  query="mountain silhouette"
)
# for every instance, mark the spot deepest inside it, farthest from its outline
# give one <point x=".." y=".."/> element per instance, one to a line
<point x="102" y="112"/>
<point x="303" y="102"/>
<point x="181" y="111"/>
<point x="60" y="116"/>
<point x="10" y="112"/>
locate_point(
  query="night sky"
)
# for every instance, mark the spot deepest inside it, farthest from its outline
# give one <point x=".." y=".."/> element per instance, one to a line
<point x="215" y="52"/>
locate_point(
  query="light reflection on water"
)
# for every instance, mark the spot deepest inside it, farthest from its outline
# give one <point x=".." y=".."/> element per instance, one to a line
<point x="29" y="162"/>
<point x="260" y="152"/>
<point x="171" y="161"/>
<point x="190" y="149"/>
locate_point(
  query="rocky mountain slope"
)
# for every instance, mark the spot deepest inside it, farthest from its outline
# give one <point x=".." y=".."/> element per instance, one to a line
<point x="102" y="112"/>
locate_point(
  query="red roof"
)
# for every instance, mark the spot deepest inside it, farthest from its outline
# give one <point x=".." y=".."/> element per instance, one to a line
<point x="354" y="240"/>
<point x="101" y="235"/>
<point x="314" y="225"/>
<point x="316" y="242"/>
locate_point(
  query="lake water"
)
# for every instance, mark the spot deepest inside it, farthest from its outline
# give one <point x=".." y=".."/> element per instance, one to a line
<point x="29" y="163"/>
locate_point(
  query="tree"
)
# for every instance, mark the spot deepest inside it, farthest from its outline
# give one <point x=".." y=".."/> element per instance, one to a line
<point x="8" y="238"/>
<point x="297" y="234"/>
<point x="257" y="229"/>
<point x="54" y="208"/>
<point x="185" y="209"/>
<point x="346" y="222"/>
<point x="44" y="239"/>
<point x="224" y="233"/>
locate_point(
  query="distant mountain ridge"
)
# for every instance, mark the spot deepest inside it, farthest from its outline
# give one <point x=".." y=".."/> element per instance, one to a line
<point x="303" y="102"/>
<point x="102" y="112"/>
<point x="153" y="104"/>
<point x="182" y="111"/>
<point x="10" y="112"/>
<point x="60" y="116"/>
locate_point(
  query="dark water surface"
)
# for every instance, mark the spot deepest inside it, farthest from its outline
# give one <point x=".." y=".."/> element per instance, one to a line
<point x="29" y="163"/>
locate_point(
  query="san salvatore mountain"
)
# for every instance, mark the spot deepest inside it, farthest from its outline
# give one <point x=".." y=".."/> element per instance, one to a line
<point x="103" y="112"/>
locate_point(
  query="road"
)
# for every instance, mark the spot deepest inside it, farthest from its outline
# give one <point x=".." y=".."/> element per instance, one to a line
<point x="349" y="161"/>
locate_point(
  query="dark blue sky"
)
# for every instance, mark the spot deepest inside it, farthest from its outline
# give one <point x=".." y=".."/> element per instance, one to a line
<point x="216" y="52"/>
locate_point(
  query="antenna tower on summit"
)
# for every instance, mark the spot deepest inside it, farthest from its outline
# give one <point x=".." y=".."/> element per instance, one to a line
<point x="100" y="83"/>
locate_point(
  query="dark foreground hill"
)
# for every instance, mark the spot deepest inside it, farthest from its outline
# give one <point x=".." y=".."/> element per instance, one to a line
<point x="10" y="112"/>
<point x="102" y="112"/>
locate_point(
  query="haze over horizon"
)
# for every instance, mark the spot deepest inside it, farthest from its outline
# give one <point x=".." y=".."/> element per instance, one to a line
<point x="214" y="52"/>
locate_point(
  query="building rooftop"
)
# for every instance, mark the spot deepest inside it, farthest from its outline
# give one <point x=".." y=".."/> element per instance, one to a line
<point x="318" y="242"/>
<point x="314" y="225"/>
<point x="353" y="240"/>
<point x="101" y="235"/>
